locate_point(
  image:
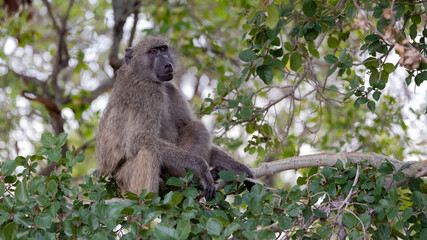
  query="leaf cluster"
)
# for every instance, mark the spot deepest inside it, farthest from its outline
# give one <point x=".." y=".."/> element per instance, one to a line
<point x="325" y="201"/>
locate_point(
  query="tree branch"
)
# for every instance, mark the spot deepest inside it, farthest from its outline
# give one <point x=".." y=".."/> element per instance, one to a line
<point x="62" y="56"/>
<point x="122" y="9"/>
<point x="133" y="30"/>
<point x="416" y="168"/>
<point x="49" y="11"/>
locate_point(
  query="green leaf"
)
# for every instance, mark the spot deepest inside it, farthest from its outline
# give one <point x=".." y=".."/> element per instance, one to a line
<point x="329" y="21"/>
<point x="362" y="100"/>
<point x="255" y="205"/>
<point x="413" y="31"/>
<point x="349" y="220"/>
<point x="246" y="112"/>
<point x="423" y="233"/>
<point x="287" y="10"/>
<point x="309" y="8"/>
<point x="324" y="232"/>
<point x="61" y="139"/>
<point x="174" y="181"/>
<point x="331" y="59"/>
<point x="332" y="70"/>
<point x="183" y="229"/>
<point x="417" y="199"/>
<point x="3" y="218"/>
<point x="190" y="192"/>
<point x="173" y="198"/>
<point x="289" y="46"/>
<point x="285" y="222"/>
<point x="69" y="228"/>
<point x="21" y="192"/>
<point x="151" y="216"/>
<point x="355" y="82"/>
<point x="351" y="12"/>
<point x="407" y="213"/>
<point x="266" y="234"/>
<point x="230" y="229"/>
<point x="376" y="95"/>
<point x="306" y="213"/>
<point x="233" y="103"/>
<point x="214" y="226"/>
<point x="2" y="190"/>
<point x="333" y="42"/>
<point x="319" y="214"/>
<point x="100" y="235"/>
<point x="368" y="198"/>
<point x="244" y="75"/>
<point x="8" y="167"/>
<point x="389" y="67"/>
<point x="385" y="168"/>
<point x="247" y="55"/>
<point x="296" y="61"/>
<point x="54" y="154"/>
<point x="165" y="232"/>
<point x="43" y="220"/>
<point x="52" y="188"/>
<point x="383" y="231"/>
<point x="48" y="140"/>
<point x="227" y="176"/>
<point x="9" y="231"/>
<point x="372" y="38"/>
<point x="371" y="106"/>
<point x="331" y="190"/>
<point x="356" y="105"/>
<point x="399" y="176"/>
<point x="258" y="190"/>
<point x="312" y="50"/>
<point x="416" y="19"/>
<point x="266" y="73"/>
<point x="273" y="16"/>
<point x="420" y="78"/>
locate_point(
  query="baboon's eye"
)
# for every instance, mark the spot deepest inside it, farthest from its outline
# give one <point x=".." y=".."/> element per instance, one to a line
<point x="152" y="51"/>
<point x="163" y="49"/>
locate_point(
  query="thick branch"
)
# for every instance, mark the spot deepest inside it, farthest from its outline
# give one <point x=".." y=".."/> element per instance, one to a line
<point x="327" y="159"/>
<point x="122" y="9"/>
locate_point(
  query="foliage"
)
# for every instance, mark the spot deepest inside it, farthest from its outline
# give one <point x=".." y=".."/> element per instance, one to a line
<point x="356" y="41"/>
<point x="326" y="202"/>
<point x="267" y="68"/>
<point x="283" y="75"/>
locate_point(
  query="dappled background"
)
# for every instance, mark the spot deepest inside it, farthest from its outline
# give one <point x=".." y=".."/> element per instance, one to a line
<point x="269" y="86"/>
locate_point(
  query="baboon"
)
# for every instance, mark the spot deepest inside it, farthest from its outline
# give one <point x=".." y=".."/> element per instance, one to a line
<point x="148" y="128"/>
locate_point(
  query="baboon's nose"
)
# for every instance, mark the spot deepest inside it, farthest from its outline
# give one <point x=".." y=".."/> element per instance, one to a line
<point x="169" y="67"/>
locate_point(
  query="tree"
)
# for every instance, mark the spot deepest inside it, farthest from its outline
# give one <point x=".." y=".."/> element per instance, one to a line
<point x="288" y="75"/>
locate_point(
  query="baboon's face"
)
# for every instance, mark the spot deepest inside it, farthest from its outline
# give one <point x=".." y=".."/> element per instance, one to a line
<point x="161" y="62"/>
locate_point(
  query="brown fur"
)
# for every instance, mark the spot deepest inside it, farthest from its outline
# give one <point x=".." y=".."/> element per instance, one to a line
<point x="149" y="126"/>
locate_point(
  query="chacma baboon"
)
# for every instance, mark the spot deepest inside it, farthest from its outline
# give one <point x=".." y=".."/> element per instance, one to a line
<point x="148" y="127"/>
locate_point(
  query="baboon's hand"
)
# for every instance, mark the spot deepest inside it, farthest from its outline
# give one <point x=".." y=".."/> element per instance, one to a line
<point x="208" y="186"/>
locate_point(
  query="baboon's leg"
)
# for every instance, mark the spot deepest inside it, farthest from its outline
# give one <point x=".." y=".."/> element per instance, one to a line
<point x="220" y="160"/>
<point x="141" y="172"/>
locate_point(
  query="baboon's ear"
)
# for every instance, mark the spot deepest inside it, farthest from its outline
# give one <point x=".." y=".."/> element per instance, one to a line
<point x="128" y="55"/>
